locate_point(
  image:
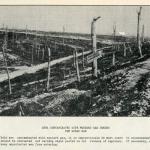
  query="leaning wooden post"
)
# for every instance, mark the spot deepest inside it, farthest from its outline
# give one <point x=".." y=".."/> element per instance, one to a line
<point x="77" y="65"/>
<point x="48" y="75"/>
<point x="5" y="61"/>
<point x="21" y="113"/>
<point x="138" y="29"/>
<point x="93" y="36"/>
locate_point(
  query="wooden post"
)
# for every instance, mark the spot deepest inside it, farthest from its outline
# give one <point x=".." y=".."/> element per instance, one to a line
<point x="125" y="50"/>
<point x="36" y="43"/>
<point x="22" y="51"/>
<point x="55" y="45"/>
<point x="13" y="38"/>
<point x="48" y="76"/>
<point x="26" y="32"/>
<point x="21" y="113"/>
<point x="32" y="54"/>
<point x="138" y="29"/>
<point x="16" y="37"/>
<point x="83" y="58"/>
<point x="69" y="73"/>
<point x="114" y="32"/>
<point x="77" y="65"/>
<point x="38" y="51"/>
<point x="63" y="41"/>
<point x="113" y="60"/>
<point x="64" y="75"/>
<point x="63" y="34"/>
<point x="130" y="49"/>
<point x="5" y="61"/>
<point x="43" y="53"/>
<point x="74" y="59"/>
<point x="94" y="48"/>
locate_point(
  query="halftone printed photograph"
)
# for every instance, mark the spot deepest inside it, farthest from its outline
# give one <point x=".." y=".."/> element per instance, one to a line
<point x="75" y="61"/>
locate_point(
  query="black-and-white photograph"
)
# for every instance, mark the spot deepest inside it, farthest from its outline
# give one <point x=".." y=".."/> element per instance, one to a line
<point x="75" y="61"/>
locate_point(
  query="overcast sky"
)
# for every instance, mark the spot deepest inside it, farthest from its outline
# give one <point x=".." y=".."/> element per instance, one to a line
<point x="75" y="18"/>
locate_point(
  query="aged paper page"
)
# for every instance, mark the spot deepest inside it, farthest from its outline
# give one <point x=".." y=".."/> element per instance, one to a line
<point x="74" y="75"/>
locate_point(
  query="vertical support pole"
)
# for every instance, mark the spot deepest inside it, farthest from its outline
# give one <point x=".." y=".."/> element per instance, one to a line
<point x="69" y="73"/>
<point x="36" y="42"/>
<point x="93" y="36"/>
<point x="63" y="34"/>
<point x="138" y="29"/>
<point x="5" y="61"/>
<point x="22" y="51"/>
<point x="16" y="37"/>
<point x="55" y="45"/>
<point x="26" y="32"/>
<point x="43" y="53"/>
<point x="74" y="63"/>
<point x="38" y="52"/>
<point x="83" y="58"/>
<point x="48" y="75"/>
<point x="130" y="49"/>
<point x="114" y="32"/>
<point x="13" y="38"/>
<point x="64" y="71"/>
<point x="63" y="41"/>
<point x="77" y="65"/>
<point x="125" y="50"/>
<point x="32" y="54"/>
<point x="113" y="60"/>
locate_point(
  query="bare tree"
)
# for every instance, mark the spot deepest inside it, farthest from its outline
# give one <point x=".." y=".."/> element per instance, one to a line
<point x="4" y="47"/>
<point x="138" y="30"/>
<point x="48" y="75"/>
<point x="77" y="65"/>
<point x="114" y="32"/>
<point x="94" y="44"/>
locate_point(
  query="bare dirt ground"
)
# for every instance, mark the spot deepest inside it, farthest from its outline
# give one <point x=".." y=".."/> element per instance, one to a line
<point x="120" y="90"/>
<point x="124" y="92"/>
